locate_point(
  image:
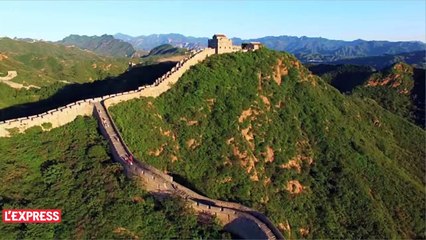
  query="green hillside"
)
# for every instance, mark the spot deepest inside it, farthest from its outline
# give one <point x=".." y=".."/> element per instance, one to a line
<point x="165" y="52"/>
<point x="391" y="89"/>
<point x="69" y="168"/>
<point x="49" y="67"/>
<point x="104" y="45"/>
<point x="166" y="49"/>
<point x="258" y="128"/>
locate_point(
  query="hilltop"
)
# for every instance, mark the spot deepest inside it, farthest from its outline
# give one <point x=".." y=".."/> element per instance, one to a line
<point x="43" y="68"/>
<point x="104" y="45"/>
<point x="258" y="128"/>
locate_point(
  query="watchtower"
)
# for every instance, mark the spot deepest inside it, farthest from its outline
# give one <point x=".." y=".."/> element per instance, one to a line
<point x="222" y="44"/>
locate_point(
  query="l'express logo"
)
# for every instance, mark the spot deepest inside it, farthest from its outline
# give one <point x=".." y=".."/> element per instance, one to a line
<point x="31" y="216"/>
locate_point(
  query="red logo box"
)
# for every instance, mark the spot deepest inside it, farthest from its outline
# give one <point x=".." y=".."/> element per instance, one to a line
<point x="31" y="216"/>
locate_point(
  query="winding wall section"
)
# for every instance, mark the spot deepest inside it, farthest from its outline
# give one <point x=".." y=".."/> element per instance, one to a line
<point x="66" y="114"/>
<point x="238" y="219"/>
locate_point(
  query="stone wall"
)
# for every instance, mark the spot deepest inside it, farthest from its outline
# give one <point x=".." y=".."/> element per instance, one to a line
<point x="56" y="118"/>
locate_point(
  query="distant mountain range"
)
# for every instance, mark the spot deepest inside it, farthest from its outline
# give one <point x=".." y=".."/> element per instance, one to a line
<point x="103" y="45"/>
<point x="307" y="49"/>
<point x="151" y="41"/>
<point x="417" y="59"/>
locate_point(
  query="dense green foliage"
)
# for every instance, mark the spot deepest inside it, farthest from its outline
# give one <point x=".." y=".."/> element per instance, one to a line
<point x="68" y="168"/>
<point x="228" y="130"/>
<point x="43" y="63"/>
<point x="50" y="67"/>
<point x="104" y="45"/>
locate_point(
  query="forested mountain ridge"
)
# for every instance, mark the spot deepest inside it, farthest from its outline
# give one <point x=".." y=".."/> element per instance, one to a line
<point x="321" y="49"/>
<point x="104" y="45"/>
<point x="260" y="129"/>
<point x="417" y="59"/>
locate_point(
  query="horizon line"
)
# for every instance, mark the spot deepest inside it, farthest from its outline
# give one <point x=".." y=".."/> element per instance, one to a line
<point x="136" y="36"/>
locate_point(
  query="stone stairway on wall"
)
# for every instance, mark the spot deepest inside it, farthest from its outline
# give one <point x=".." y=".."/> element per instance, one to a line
<point x="235" y="217"/>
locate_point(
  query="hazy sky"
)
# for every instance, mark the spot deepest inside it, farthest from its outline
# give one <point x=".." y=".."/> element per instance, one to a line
<point x="349" y="20"/>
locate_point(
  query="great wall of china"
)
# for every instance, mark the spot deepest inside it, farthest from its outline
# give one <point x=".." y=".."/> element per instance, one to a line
<point x="236" y="218"/>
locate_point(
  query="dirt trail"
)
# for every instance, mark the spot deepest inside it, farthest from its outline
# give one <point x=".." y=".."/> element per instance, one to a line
<point x="11" y="75"/>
